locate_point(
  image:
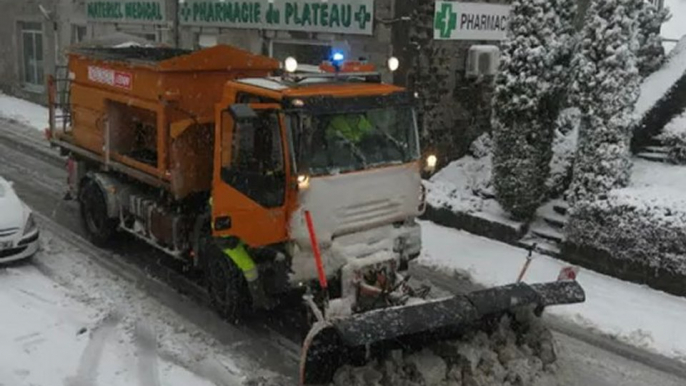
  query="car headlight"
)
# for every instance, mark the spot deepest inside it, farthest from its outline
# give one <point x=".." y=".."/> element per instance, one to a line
<point x="30" y="225"/>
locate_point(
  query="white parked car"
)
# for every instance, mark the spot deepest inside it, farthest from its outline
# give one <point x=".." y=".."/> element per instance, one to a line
<point x="18" y="230"/>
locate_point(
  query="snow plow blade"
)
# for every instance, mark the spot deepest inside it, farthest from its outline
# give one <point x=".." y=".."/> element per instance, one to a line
<point x="332" y="344"/>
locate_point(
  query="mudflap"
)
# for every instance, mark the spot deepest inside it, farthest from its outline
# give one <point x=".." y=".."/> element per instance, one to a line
<point x="334" y="343"/>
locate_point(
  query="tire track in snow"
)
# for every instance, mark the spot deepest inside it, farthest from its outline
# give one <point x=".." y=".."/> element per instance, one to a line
<point x="87" y="372"/>
<point x="146" y="343"/>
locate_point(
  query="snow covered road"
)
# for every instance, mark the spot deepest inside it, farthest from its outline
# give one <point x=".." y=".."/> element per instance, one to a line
<point x="243" y="350"/>
<point x="50" y="337"/>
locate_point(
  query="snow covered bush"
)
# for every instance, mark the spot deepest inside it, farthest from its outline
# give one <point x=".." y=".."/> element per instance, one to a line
<point x="651" y="53"/>
<point x="674" y="138"/>
<point x="564" y="149"/>
<point x="529" y="91"/>
<point x="462" y="185"/>
<point x="482" y="146"/>
<point x="605" y="89"/>
<point x="636" y="225"/>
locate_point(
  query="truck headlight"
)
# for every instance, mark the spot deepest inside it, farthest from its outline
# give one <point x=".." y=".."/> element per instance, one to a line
<point x="431" y="162"/>
<point x="290" y="64"/>
<point x="303" y="182"/>
<point x="393" y="63"/>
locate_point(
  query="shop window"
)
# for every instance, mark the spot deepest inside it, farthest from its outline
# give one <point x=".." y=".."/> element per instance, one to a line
<point x="32" y="56"/>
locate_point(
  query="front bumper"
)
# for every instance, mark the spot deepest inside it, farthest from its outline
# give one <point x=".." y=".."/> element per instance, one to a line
<point x="402" y="242"/>
<point x="24" y="248"/>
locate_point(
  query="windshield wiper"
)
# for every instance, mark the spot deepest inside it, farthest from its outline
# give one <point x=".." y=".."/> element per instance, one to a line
<point x="400" y="146"/>
<point x="355" y="150"/>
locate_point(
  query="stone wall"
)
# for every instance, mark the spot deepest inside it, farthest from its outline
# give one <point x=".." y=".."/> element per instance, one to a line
<point x="453" y="110"/>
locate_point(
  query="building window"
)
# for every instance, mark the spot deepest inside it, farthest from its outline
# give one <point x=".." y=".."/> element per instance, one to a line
<point x="78" y="33"/>
<point x="32" y="44"/>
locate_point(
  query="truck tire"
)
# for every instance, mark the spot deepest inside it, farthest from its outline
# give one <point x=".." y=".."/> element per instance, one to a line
<point x="227" y="287"/>
<point x="99" y="227"/>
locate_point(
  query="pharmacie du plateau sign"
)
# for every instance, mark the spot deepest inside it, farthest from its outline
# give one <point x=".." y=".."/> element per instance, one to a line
<point x="334" y="16"/>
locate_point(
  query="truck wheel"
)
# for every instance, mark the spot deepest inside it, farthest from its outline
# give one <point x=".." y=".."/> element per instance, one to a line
<point x="99" y="227"/>
<point x="227" y="287"/>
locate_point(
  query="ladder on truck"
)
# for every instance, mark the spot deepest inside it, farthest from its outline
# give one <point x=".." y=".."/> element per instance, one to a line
<point x="59" y="95"/>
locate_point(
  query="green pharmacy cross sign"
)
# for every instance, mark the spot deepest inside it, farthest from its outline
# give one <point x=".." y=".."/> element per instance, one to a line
<point x="470" y="21"/>
<point x="332" y="16"/>
<point x="127" y="11"/>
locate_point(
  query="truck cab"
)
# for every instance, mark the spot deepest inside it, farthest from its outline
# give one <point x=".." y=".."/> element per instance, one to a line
<point x="340" y="145"/>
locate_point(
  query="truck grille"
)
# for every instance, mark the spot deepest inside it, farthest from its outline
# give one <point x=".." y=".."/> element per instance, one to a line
<point x="369" y="212"/>
<point x="8" y="231"/>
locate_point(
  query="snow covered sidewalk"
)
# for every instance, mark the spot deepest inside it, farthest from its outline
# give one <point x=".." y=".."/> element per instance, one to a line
<point x="28" y="113"/>
<point x="632" y="313"/>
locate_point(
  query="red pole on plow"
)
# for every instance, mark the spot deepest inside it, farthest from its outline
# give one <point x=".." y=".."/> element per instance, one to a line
<point x="315" y="250"/>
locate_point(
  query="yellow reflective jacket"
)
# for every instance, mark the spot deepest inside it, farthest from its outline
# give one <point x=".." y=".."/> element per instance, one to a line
<point x="352" y="131"/>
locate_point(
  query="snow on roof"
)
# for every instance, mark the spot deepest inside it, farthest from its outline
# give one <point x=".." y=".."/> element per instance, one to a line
<point x="268" y="83"/>
<point x="655" y="86"/>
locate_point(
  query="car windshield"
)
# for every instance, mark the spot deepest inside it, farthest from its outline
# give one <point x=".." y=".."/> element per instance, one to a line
<point x="350" y="141"/>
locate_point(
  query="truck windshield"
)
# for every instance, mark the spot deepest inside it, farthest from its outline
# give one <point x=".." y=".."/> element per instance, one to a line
<point x="350" y="141"/>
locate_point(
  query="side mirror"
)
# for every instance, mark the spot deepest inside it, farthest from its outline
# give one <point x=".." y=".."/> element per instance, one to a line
<point x="242" y="112"/>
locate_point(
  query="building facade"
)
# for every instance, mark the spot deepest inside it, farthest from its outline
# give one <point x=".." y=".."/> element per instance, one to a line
<point x="433" y="40"/>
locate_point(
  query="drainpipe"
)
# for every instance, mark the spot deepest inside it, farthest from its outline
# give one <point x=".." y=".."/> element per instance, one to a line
<point x="176" y="22"/>
<point x="51" y="16"/>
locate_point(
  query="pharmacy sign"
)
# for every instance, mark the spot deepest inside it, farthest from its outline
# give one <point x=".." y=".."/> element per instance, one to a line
<point x="332" y="16"/>
<point x="126" y="11"/>
<point x="470" y="21"/>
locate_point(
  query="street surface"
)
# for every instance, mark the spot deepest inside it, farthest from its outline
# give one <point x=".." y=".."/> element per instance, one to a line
<point x="269" y="346"/>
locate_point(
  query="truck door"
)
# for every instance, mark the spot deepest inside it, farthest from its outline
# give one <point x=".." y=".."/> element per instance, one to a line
<point x="249" y="193"/>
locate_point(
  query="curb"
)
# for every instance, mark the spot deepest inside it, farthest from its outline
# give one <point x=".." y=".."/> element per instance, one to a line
<point x="479" y="226"/>
<point x="43" y="153"/>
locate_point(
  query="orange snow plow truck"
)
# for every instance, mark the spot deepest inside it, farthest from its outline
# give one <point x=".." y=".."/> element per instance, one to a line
<point x="268" y="180"/>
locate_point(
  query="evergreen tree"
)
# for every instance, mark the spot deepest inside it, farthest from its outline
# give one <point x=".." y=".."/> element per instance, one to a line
<point x="605" y="89"/>
<point x="527" y="99"/>
<point x="651" y="53"/>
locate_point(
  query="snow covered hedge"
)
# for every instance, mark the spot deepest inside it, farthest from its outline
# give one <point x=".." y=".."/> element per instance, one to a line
<point x="651" y="53"/>
<point x="564" y="150"/>
<point x="529" y="91"/>
<point x="633" y="225"/>
<point x="674" y="138"/>
<point x="605" y="89"/>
